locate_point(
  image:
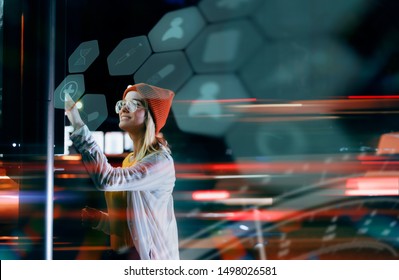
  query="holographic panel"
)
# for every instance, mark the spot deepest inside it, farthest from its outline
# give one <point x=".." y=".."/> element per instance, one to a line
<point x="299" y="69"/>
<point x="200" y="107"/>
<point x="93" y="110"/>
<point x="83" y="56"/>
<point x="304" y="18"/>
<point x="176" y="29"/>
<point x="128" y="56"/>
<point x="227" y="9"/>
<point x="271" y="139"/>
<point x="73" y="85"/>
<point x="224" y="46"/>
<point x="167" y="70"/>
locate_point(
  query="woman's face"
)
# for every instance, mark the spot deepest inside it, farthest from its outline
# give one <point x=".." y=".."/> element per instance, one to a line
<point x="133" y="122"/>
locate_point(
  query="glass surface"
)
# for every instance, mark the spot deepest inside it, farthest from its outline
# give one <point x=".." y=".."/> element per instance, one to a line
<point x="1" y="62"/>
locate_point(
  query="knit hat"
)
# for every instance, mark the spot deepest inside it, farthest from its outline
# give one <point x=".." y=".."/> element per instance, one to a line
<point x="159" y="101"/>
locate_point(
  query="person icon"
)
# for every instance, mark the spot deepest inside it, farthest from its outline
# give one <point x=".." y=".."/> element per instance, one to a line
<point x="175" y="31"/>
<point x="208" y="92"/>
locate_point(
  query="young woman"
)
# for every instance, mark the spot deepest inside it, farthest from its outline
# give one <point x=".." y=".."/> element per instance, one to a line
<point x="140" y="218"/>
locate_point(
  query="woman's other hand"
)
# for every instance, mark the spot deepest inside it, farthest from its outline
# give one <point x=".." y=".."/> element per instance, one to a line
<point x="90" y="216"/>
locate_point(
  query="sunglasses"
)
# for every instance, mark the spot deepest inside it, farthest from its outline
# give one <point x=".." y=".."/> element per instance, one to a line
<point x="130" y="105"/>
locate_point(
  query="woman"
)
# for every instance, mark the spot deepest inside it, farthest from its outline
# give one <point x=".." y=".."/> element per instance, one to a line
<point x="140" y="218"/>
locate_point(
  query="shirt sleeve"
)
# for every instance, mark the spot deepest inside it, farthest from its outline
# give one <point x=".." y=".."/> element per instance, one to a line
<point x="151" y="173"/>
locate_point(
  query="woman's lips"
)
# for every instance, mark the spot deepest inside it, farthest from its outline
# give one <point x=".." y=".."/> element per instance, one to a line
<point x="124" y="118"/>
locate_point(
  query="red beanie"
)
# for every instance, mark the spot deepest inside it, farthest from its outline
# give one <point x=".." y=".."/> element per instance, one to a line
<point x="159" y="102"/>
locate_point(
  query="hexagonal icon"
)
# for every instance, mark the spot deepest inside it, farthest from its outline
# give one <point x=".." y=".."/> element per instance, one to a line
<point x="72" y="84"/>
<point x="93" y="110"/>
<point x="227" y="9"/>
<point x="83" y="56"/>
<point x="168" y="70"/>
<point x="302" y="18"/>
<point x="301" y="69"/>
<point x="128" y="56"/>
<point x="202" y="105"/>
<point x="224" y="46"/>
<point x="176" y="29"/>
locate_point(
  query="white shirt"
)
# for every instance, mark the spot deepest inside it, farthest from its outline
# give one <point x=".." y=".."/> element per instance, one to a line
<point x="149" y="185"/>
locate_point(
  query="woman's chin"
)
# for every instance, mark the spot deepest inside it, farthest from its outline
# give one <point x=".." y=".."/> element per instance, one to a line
<point x="122" y="125"/>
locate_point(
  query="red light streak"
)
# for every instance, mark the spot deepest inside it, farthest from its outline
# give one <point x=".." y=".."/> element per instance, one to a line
<point x="373" y="97"/>
<point x="271" y="167"/>
<point x="83" y="248"/>
<point x="219" y="100"/>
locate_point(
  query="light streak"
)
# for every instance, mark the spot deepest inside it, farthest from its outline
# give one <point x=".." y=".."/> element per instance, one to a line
<point x="210" y="195"/>
<point x="372" y="186"/>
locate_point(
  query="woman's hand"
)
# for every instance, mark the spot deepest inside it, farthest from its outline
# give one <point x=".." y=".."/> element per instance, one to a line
<point x="90" y="216"/>
<point x="72" y="112"/>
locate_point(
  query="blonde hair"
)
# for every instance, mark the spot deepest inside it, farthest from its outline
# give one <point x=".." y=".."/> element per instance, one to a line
<point x="152" y="142"/>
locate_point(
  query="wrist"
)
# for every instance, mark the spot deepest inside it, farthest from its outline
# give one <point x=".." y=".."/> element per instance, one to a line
<point x="77" y="126"/>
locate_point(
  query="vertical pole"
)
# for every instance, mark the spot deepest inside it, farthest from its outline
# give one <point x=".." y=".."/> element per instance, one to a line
<point x="259" y="234"/>
<point x="50" y="132"/>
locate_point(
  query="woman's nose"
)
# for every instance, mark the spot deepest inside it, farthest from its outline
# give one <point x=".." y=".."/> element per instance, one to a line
<point x="125" y="109"/>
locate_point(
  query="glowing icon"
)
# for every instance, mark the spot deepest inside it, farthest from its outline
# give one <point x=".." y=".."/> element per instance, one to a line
<point x="224" y="46"/>
<point x="70" y="88"/>
<point x="92" y="116"/>
<point x="73" y="85"/>
<point x="167" y="69"/>
<point x="221" y="46"/>
<point x="161" y="74"/>
<point x="82" y="59"/>
<point x="175" y="31"/>
<point x="203" y="104"/>
<point x="206" y="104"/>
<point x="83" y="56"/>
<point x="128" y="54"/>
